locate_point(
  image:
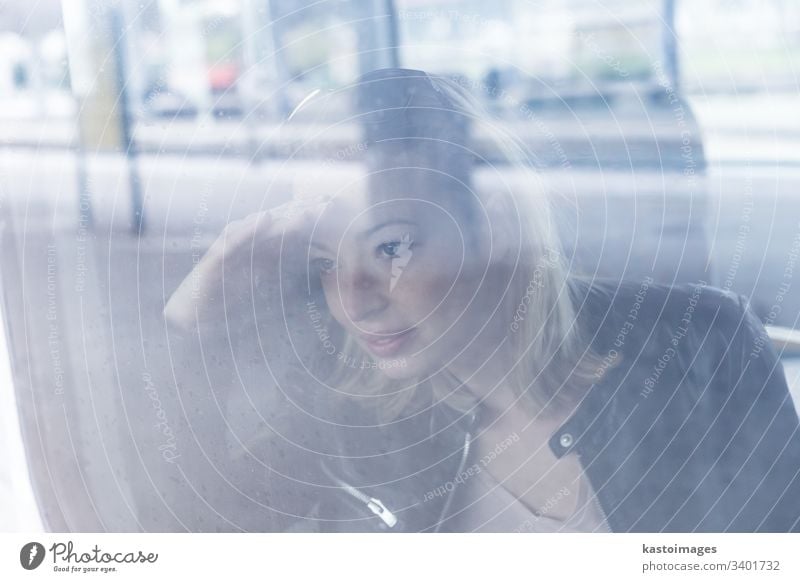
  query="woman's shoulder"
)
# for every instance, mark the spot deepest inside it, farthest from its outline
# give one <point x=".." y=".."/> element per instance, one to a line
<point x="641" y="329"/>
<point x="634" y="306"/>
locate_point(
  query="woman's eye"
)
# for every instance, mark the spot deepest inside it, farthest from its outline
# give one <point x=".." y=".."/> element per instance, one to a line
<point x="395" y="249"/>
<point x="390" y="249"/>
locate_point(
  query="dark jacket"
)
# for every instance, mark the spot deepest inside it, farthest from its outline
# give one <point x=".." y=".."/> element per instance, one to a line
<point x="692" y="429"/>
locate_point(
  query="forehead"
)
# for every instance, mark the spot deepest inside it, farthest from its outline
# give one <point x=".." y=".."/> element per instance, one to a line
<point x="356" y="218"/>
<point x="357" y="214"/>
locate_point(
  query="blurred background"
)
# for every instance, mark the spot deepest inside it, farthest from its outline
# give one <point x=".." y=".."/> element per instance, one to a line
<point x="131" y="132"/>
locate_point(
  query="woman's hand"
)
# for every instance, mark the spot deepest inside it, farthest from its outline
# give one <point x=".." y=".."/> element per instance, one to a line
<point x="253" y="263"/>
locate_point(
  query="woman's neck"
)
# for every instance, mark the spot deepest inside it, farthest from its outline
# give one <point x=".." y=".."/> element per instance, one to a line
<point x="487" y="379"/>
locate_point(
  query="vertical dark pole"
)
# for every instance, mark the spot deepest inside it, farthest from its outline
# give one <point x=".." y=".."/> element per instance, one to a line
<point x="279" y="55"/>
<point x="394" y="34"/>
<point x="670" y="40"/>
<point x="377" y="35"/>
<point x="128" y="142"/>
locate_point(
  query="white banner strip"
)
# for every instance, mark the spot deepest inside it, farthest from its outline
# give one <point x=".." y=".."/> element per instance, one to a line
<point x="405" y="557"/>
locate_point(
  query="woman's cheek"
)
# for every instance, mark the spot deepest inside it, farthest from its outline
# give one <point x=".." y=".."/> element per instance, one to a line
<point x="427" y="282"/>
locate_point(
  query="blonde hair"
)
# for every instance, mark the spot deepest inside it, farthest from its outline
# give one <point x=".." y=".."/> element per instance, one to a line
<point x="552" y="361"/>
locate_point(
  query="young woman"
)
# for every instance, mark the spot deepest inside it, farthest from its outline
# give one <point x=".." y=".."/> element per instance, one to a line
<point x="444" y="371"/>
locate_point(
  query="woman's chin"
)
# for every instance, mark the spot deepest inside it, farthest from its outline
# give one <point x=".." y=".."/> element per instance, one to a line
<point x="398" y="368"/>
<point x="394" y="369"/>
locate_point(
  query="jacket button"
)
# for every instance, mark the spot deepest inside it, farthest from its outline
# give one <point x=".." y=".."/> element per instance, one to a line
<point x="566" y="440"/>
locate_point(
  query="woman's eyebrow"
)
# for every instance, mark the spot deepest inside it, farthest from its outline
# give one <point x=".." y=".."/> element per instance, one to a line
<point x="369" y="231"/>
<point x="386" y="223"/>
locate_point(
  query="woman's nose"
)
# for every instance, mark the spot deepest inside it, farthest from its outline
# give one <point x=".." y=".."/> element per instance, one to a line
<point x="360" y="293"/>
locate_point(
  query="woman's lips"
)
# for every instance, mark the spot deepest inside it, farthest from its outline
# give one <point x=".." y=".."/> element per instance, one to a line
<point x="387" y="345"/>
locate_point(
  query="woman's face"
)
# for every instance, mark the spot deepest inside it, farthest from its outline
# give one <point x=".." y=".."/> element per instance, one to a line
<point x="406" y="274"/>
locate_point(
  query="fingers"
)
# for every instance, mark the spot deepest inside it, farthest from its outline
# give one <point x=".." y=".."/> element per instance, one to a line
<point x="229" y="261"/>
<point x="295" y="216"/>
<point x="299" y="213"/>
